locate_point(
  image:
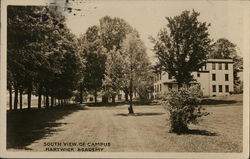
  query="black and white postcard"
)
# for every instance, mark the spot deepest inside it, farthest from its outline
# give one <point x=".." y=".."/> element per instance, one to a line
<point x="124" y="79"/>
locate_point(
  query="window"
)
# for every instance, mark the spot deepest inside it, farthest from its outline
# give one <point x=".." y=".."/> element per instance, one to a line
<point x="213" y="66"/>
<point x="227" y="88"/>
<point x="220" y="66"/>
<point x="220" y="88"/>
<point x="160" y="76"/>
<point x="226" y="77"/>
<point x="169" y="76"/>
<point x="214" y="88"/>
<point x="160" y="87"/>
<point x="213" y="77"/>
<point x="226" y="66"/>
<point x="198" y="74"/>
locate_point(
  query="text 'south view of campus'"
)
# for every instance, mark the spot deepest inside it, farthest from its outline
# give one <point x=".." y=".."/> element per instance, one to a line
<point x="119" y="76"/>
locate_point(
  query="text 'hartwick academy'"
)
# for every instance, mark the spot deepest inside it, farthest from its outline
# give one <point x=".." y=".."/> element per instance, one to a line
<point x="76" y="146"/>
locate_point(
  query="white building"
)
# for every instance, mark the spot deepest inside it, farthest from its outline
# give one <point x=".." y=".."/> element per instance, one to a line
<point x="215" y="79"/>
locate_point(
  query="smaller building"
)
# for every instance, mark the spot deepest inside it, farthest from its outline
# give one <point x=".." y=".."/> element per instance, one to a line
<point x="215" y="79"/>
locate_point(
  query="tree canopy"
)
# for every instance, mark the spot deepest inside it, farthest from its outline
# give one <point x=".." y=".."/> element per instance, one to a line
<point x="223" y="49"/>
<point x="93" y="53"/>
<point x="183" y="46"/>
<point x="41" y="54"/>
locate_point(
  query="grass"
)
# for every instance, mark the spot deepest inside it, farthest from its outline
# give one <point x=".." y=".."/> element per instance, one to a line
<point x="146" y="131"/>
<point x="25" y="126"/>
<point x="236" y="99"/>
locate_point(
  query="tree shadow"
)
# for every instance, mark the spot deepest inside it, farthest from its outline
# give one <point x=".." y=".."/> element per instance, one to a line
<point x="120" y="103"/>
<point x="217" y="102"/>
<point x="101" y="104"/>
<point x="198" y="132"/>
<point x="27" y="125"/>
<point x="139" y="114"/>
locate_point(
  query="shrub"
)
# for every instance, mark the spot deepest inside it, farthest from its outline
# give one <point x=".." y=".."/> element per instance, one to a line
<point x="183" y="108"/>
<point x="238" y="88"/>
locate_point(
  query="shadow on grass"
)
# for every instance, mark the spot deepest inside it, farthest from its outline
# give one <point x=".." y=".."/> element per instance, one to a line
<point x="100" y="104"/>
<point x="198" y="132"/>
<point x="217" y="102"/>
<point x="139" y="114"/>
<point x="27" y="125"/>
<point x="120" y="103"/>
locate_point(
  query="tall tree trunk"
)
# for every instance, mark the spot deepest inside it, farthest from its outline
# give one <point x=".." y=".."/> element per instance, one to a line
<point x="21" y="99"/>
<point x="47" y="100"/>
<point x="126" y="95"/>
<point x="95" y="95"/>
<point x="15" y="98"/>
<point x="113" y="98"/>
<point x="10" y="98"/>
<point x="105" y="99"/>
<point x="51" y="101"/>
<point x="81" y="94"/>
<point x="29" y="96"/>
<point x="39" y="96"/>
<point x="131" y="111"/>
<point x="55" y="102"/>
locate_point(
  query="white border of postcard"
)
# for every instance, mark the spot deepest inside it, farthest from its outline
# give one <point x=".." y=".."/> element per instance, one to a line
<point x="27" y="154"/>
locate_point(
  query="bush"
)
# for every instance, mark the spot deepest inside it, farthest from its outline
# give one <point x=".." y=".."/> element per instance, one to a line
<point x="183" y="108"/>
<point x="238" y="88"/>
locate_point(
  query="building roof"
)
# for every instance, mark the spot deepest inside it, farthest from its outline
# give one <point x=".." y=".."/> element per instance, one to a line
<point x="220" y="60"/>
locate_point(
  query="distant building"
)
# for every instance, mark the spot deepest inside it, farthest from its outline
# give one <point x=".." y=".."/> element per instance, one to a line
<point x="118" y="98"/>
<point x="215" y="79"/>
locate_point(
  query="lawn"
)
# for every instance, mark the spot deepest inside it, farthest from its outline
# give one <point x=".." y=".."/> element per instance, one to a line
<point x="147" y="131"/>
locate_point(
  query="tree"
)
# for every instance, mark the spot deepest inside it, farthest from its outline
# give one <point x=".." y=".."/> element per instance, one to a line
<point x="92" y="51"/>
<point x="145" y="84"/>
<point x="114" y="78"/>
<point x="9" y="87"/>
<point x="41" y="49"/>
<point x="136" y="63"/>
<point x="20" y="34"/>
<point x="223" y="49"/>
<point x="183" y="46"/>
<point x="128" y="67"/>
<point x="184" y="108"/>
<point x="113" y="31"/>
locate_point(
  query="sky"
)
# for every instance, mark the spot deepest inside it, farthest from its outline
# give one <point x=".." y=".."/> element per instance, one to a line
<point x="227" y="18"/>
